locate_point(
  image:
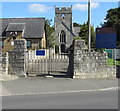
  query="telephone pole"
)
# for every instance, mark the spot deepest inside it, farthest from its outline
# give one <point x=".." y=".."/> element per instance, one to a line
<point x="89" y="26"/>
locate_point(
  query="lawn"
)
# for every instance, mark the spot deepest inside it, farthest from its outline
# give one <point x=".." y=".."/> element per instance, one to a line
<point x="112" y="62"/>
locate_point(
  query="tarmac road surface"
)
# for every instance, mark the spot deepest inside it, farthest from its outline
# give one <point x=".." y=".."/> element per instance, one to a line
<point x="82" y="100"/>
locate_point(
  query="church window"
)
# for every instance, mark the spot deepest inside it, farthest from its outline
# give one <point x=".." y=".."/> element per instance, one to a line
<point x="62" y="37"/>
<point x="63" y="16"/>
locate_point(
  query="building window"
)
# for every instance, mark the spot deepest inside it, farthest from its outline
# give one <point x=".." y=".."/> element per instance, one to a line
<point x="28" y="44"/>
<point x="12" y="43"/>
<point x="62" y="37"/>
<point x="1" y="44"/>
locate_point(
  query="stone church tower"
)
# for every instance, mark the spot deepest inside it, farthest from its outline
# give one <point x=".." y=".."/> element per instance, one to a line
<point x="63" y="27"/>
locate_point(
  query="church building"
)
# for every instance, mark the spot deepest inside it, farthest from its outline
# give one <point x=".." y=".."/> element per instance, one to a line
<point x="64" y="30"/>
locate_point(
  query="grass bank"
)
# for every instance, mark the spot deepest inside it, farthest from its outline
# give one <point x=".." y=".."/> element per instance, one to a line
<point x="112" y="62"/>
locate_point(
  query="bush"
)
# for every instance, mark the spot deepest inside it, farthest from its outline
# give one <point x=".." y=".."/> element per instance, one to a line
<point x="77" y="38"/>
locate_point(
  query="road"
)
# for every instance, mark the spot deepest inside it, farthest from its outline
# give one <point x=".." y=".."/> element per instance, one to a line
<point x="82" y="100"/>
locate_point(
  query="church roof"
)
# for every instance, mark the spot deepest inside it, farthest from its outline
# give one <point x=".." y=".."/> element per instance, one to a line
<point x="76" y="31"/>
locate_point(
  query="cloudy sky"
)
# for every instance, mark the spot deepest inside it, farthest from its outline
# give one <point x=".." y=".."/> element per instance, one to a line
<point x="46" y="9"/>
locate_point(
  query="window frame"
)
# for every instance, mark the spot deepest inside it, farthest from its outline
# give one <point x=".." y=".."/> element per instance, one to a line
<point x="2" y="43"/>
<point x="62" y="37"/>
<point x="29" y="41"/>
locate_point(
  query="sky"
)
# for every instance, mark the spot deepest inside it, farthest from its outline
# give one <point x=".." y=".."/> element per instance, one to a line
<point x="46" y="10"/>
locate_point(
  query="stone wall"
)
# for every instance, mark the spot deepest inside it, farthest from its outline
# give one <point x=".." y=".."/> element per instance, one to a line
<point x="82" y="64"/>
<point x="3" y="63"/>
<point x="90" y="64"/>
<point x="17" y="58"/>
<point x="8" y="41"/>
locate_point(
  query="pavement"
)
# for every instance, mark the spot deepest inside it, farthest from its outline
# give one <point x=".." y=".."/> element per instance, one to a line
<point x="6" y="77"/>
<point x="12" y="85"/>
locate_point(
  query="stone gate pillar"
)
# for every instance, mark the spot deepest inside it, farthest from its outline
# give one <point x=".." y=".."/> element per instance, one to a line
<point x="17" y="58"/>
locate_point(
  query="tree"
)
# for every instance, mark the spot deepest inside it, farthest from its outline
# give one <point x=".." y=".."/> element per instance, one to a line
<point x="49" y="30"/>
<point x="84" y="34"/>
<point x="76" y="24"/>
<point x="113" y="20"/>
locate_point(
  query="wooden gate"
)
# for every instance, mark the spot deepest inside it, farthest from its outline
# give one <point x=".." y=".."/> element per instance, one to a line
<point x="47" y="62"/>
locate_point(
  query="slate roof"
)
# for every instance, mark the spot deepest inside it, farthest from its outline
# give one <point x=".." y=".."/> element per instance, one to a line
<point x="76" y="31"/>
<point x="16" y="27"/>
<point x="31" y="27"/>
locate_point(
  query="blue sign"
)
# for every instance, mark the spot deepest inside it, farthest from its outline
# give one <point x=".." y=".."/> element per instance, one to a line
<point x="40" y="52"/>
<point x="105" y="38"/>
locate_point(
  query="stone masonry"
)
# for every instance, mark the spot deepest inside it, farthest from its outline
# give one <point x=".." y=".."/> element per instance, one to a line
<point x="17" y="58"/>
<point x="3" y="63"/>
<point x="90" y="64"/>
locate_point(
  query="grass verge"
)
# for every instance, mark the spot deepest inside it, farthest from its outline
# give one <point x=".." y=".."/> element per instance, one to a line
<point x="112" y="62"/>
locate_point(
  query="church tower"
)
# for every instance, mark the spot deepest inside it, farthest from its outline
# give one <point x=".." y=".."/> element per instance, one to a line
<point x="63" y="27"/>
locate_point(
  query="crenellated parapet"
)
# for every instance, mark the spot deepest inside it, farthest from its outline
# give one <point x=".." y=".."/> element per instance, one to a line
<point x="63" y="10"/>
